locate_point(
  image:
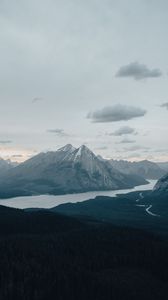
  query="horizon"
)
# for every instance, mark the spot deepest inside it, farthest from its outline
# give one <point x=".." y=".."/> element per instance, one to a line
<point x="76" y="148"/>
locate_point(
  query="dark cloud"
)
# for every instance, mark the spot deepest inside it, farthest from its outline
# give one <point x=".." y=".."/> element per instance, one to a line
<point x="138" y="71"/>
<point x="116" y="113"/>
<point x="37" y="99"/>
<point x="164" y="105"/>
<point x="126" y="141"/>
<point x="58" y="131"/>
<point x="123" y="131"/>
<point x="5" y="142"/>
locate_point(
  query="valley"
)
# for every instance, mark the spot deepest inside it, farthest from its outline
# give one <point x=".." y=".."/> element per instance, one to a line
<point x="49" y="201"/>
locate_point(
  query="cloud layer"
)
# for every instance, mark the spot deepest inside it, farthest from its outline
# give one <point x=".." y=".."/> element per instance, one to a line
<point x="37" y="99"/>
<point x="126" y="141"/>
<point x="136" y="147"/>
<point x="123" y="131"/>
<point x="116" y="113"/>
<point x="5" y="142"/>
<point x="138" y="71"/>
<point x="58" y="131"/>
<point x="58" y="62"/>
<point x="164" y="105"/>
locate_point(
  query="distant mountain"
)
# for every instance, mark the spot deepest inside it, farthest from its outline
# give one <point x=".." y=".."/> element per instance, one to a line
<point x="144" y="168"/>
<point x="163" y="165"/>
<point x="5" y="165"/>
<point x="67" y="170"/>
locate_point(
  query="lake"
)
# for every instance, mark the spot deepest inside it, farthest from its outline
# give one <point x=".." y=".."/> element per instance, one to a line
<point x="49" y="201"/>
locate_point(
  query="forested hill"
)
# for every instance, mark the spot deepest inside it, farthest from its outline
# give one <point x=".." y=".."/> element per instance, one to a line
<point x="44" y="255"/>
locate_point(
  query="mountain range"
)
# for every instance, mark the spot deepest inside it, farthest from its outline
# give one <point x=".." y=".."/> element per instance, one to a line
<point x="163" y="165"/>
<point x="72" y="170"/>
<point x="67" y="170"/>
<point x="6" y="165"/>
<point x="144" y="168"/>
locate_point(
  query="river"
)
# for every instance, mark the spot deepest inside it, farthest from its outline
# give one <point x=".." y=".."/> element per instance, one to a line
<point x="49" y="201"/>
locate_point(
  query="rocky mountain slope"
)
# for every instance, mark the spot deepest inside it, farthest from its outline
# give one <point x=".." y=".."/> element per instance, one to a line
<point x="145" y="168"/>
<point x="162" y="185"/>
<point x="163" y="165"/>
<point x="67" y="170"/>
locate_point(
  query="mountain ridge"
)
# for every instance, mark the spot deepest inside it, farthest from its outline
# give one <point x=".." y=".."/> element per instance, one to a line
<point x="145" y="168"/>
<point x="67" y="170"/>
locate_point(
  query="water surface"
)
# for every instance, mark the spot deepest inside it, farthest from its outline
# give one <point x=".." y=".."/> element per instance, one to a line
<point x="48" y="201"/>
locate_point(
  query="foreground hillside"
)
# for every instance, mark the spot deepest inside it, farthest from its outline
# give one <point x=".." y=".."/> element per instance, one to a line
<point x="50" y="256"/>
<point x="137" y="209"/>
<point x="143" y="209"/>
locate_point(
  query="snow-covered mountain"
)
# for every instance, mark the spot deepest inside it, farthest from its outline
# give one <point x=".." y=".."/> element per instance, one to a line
<point x="144" y="168"/>
<point x="67" y="170"/>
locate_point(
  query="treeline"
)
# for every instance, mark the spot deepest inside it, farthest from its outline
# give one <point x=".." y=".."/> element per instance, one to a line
<point x="57" y="257"/>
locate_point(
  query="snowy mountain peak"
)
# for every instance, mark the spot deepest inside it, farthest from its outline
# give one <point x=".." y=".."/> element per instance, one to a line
<point x="84" y="151"/>
<point x="100" y="158"/>
<point x="67" y="148"/>
<point x="66" y="170"/>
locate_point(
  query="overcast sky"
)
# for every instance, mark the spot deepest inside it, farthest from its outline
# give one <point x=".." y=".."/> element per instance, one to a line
<point x="84" y="72"/>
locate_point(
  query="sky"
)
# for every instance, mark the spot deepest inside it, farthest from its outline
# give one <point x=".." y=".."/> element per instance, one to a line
<point x="84" y="72"/>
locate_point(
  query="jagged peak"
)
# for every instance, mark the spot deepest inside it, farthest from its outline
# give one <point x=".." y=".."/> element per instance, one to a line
<point x="100" y="158"/>
<point x="67" y="148"/>
<point x="84" y="150"/>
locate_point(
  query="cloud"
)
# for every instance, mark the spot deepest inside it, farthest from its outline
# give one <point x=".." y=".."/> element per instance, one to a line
<point x="123" y="131"/>
<point x="160" y="150"/>
<point x="116" y="113"/>
<point x="136" y="147"/>
<point x="138" y="71"/>
<point x="58" y="131"/>
<point x="164" y="105"/>
<point x="126" y="141"/>
<point x="5" y="142"/>
<point x="101" y="148"/>
<point x="37" y="99"/>
<point x="17" y="155"/>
